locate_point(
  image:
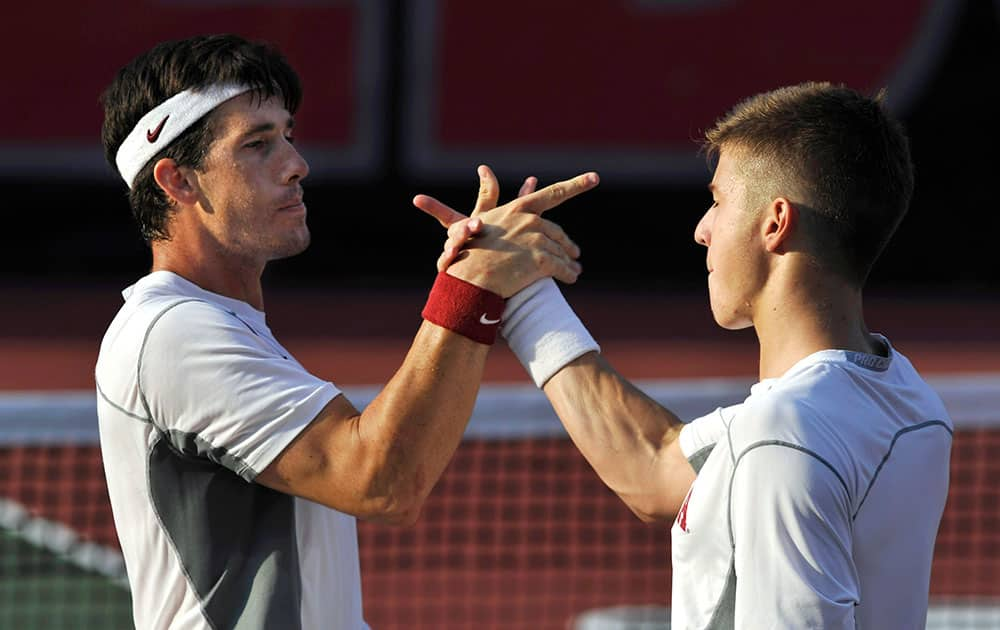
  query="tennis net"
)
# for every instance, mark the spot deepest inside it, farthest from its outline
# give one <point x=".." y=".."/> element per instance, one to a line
<point x="519" y="533"/>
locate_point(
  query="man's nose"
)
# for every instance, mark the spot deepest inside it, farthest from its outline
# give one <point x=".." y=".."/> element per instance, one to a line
<point x="297" y="167"/>
<point x="703" y="231"/>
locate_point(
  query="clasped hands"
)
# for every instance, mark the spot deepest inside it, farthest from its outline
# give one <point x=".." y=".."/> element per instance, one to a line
<point x="505" y="248"/>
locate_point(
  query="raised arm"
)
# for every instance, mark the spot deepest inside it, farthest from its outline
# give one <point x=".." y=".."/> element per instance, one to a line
<point x="630" y="440"/>
<point x="381" y="464"/>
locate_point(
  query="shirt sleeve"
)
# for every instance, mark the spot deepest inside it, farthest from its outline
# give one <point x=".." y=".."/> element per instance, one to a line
<point x="791" y="530"/>
<point x="703" y="433"/>
<point x="216" y="389"/>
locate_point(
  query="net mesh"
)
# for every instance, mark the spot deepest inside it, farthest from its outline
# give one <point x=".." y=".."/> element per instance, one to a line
<point x="59" y="560"/>
<point x="519" y="533"/>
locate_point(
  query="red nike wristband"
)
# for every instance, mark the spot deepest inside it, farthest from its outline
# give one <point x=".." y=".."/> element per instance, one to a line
<point x="463" y="307"/>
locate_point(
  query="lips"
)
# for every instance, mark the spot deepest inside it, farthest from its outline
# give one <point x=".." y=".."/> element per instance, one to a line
<point x="293" y="202"/>
<point x="292" y="205"/>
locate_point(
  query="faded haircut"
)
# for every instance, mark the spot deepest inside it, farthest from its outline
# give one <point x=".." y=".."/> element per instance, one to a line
<point x="839" y="155"/>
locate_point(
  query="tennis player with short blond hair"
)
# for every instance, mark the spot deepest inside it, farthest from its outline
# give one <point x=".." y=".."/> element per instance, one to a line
<point x="815" y="503"/>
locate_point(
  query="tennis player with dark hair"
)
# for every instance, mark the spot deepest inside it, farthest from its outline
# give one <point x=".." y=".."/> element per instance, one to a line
<point x="814" y="503"/>
<point x="235" y="475"/>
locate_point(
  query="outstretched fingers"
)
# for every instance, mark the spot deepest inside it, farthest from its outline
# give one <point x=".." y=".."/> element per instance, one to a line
<point x="444" y="213"/>
<point x="529" y="186"/>
<point x="489" y="194"/>
<point x="489" y="190"/>
<point x="553" y="195"/>
<point x="553" y="252"/>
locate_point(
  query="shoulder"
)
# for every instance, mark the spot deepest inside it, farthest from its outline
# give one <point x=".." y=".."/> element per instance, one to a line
<point x="786" y="449"/>
<point x="784" y="412"/>
<point x="165" y="326"/>
<point x="802" y="414"/>
<point x="130" y="328"/>
<point x="130" y="342"/>
<point x="177" y="318"/>
<point x="170" y="304"/>
<point x="184" y="325"/>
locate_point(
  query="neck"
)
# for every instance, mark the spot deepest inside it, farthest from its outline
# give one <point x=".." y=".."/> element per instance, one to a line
<point x="235" y="279"/>
<point x="810" y="315"/>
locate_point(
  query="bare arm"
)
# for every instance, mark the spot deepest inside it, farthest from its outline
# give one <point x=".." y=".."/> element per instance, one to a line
<point x="629" y="439"/>
<point x="382" y="464"/>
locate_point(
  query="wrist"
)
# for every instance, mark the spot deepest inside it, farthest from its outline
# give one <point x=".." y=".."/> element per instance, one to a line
<point x="464" y="308"/>
<point x="543" y="331"/>
<point x="469" y="270"/>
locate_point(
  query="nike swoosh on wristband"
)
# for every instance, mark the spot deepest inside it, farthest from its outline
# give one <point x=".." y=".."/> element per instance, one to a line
<point x="151" y="136"/>
<point x="489" y="322"/>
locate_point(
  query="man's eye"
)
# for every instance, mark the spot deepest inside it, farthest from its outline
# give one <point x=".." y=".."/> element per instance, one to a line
<point x="254" y="144"/>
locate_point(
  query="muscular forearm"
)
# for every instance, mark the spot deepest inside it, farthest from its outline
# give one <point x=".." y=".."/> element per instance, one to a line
<point x="629" y="439"/>
<point x="382" y="464"/>
<point x="417" y="421"/>
<point x="415" y="424"/>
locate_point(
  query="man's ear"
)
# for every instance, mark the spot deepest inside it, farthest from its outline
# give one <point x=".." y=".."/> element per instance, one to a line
<point x="176" y="181"/>
<point x="781" y="220"/>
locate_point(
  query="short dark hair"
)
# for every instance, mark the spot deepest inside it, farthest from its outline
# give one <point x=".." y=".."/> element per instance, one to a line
<point x="841" y="150"/>
<point x="170" y="68"/>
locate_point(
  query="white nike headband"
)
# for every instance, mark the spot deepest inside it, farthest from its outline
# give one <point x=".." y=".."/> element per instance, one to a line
<point x="165" y="122"/>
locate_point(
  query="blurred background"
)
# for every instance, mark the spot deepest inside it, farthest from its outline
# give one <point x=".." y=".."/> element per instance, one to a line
<point x="406" y="97"/>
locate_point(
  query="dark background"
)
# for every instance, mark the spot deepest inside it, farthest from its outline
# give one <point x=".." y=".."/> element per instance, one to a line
<point x="635" y="237"/>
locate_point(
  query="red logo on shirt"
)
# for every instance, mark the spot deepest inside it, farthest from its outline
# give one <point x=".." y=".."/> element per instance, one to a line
<point x="682" y="516"/>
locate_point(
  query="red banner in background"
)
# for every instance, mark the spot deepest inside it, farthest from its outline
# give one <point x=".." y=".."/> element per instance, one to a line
<point x="549" y="88"/>
<point x="68" y="52"/>
<point x="627" y="86"/>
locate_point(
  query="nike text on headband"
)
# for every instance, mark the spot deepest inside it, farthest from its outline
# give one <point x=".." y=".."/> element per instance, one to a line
<point x="166" y="122"/>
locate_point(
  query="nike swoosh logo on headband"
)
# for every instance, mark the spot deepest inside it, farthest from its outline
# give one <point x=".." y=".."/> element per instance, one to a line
<point x="484" y="320"/>
<point x="151" y="136"/>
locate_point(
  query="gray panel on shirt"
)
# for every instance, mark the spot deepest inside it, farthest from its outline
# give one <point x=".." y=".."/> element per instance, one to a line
<point x="698" y="458"/>
<point x="724" y="617"/>
<point x="235" y="540"/>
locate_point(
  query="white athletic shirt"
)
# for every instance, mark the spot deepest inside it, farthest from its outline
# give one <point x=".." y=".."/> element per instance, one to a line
<point x="195" y="398"/>
<point x="817" y="500"/>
